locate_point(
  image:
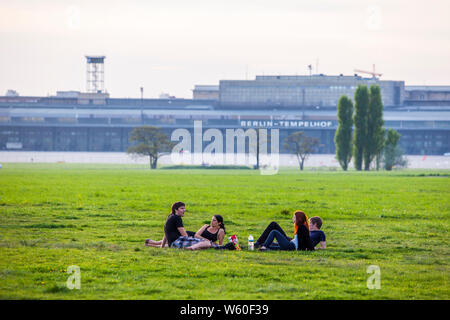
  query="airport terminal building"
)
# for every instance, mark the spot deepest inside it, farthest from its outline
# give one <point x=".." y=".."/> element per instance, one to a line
<point x="76" y="121"/>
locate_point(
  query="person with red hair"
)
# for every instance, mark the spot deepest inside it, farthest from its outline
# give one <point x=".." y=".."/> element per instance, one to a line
<point x="301" y="240"/>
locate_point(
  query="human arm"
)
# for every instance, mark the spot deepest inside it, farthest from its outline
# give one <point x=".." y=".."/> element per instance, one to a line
<point x="182" y="231"/>
<point x="221" y="236"/>
<point x="200" y="231"/>
<point x="322" y="239"/>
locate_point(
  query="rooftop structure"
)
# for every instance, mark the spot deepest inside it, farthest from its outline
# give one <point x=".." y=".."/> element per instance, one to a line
<point x="206" y="92"/>
<point x="95" y="74"/>
<point x="303" y="91"/>
<point x="427" y="95"/>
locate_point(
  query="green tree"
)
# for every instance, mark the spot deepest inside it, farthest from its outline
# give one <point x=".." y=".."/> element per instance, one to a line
<point x="301" y="145"/>
<point x="360" y="121"/>
<point x="343" y="136"/>
<point x="393" y="155"/>
<point x="375" y="131"/>
<point x="149" y="141"/>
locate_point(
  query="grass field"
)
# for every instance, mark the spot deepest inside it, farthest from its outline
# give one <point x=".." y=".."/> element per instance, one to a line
<point x="98" y="216"/>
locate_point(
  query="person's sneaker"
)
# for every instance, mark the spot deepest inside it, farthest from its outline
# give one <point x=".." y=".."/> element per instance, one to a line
<point x="257" y="245"/>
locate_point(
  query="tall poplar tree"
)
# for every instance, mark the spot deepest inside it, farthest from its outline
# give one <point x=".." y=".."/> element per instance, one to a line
<point x="375" y="131"/>
<point x="343" y="136"/>
<point x="360" y="121"/>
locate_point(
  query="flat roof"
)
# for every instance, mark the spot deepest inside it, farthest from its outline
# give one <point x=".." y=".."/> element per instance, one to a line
<point x="207" y="87"/>
<point x="427" y="88"/>
<point x="118" y="113"/>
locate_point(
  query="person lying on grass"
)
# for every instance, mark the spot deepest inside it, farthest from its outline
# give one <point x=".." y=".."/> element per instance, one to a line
<point x="317" y="236"/>
<point x="301" y="240"/>
<point x="173" y="228"/>
<point x="206" y="237"/>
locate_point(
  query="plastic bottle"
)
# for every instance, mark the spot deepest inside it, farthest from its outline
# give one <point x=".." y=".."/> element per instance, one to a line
<point x="251" y="243"/>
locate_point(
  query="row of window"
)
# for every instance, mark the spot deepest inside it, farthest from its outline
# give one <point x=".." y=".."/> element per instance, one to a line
<point x="187" y="121"/>
<point x="97" y="139"/>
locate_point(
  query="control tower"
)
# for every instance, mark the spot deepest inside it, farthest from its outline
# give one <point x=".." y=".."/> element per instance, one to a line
<point x="95" y="74"/>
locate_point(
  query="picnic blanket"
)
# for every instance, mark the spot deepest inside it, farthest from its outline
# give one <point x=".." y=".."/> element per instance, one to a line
<point x="184" y="242"/>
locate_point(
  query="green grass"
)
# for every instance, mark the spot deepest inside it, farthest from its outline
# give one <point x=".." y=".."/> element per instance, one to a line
<point x="98" y="216"/>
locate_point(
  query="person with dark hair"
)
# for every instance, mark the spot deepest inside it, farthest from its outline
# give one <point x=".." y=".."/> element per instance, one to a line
<point x="206" y="236"/>
<point x="317" y="235"/>
<point x="215" y="231"/>
<point x="301" y="240"/>
<point x="173" y="228"/>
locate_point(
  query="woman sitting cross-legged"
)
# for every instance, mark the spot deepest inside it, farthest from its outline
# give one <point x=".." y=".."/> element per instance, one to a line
<point x="301" y="240"/>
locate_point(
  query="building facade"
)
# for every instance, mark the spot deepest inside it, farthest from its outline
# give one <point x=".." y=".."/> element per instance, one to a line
<point x="303" y="91"/>
<point x="84" y="122"/>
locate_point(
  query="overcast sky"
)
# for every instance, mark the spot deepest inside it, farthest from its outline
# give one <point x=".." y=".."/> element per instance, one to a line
<point x="171" y="45"/>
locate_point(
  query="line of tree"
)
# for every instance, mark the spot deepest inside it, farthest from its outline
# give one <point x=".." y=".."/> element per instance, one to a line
<point x="152" y="142"/>
<point x="365" y="143"/>
<point x="361" y="134"/>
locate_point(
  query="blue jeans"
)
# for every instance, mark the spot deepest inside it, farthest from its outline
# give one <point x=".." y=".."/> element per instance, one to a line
<point x="272" y="226"/>
<point x="283" y="242"/>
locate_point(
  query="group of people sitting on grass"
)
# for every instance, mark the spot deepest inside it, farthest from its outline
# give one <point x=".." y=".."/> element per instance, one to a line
<point x="307" y="234"/>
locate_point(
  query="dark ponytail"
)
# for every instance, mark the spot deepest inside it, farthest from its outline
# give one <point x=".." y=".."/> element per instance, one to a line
<point x="220" y="221"/>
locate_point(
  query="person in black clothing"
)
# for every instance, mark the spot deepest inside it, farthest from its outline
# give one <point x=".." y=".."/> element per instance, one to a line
<point x="210" y="234"/>
<point x="301" y="240"/>
<point x="173" y="227"/>
<point x="317" y="235"/>
<point x="215" y="231"/>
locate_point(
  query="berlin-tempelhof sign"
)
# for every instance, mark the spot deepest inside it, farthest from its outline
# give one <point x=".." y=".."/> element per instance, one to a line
<point x="288" y="124"/>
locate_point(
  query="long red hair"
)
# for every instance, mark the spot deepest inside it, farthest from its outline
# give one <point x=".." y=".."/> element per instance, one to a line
<point x="300" y="219"/>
